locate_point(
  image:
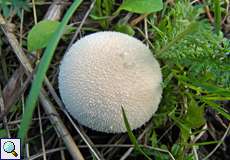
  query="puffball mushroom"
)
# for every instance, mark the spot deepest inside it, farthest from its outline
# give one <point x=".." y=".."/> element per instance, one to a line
<point x="104" y="71"/>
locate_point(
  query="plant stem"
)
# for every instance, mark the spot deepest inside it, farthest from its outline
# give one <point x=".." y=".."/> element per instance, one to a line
<point x="217" y="13"/>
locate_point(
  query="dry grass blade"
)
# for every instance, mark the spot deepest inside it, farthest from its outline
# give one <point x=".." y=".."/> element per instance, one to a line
<point x="15" y="45"/>
<point x="112" y="151"/>
<point x="47" y="152"/>
<point x="55" y="10"/>
<point x="138" y="19"/>
<point x="60" y="127"/>
<point x="11" y="91"/>
<point x="81" y="24"/>
<point x="1" y="110"/>
<point x="128" y="152"/>
<point x="42" y="134"/>
<point x="85" y="138"/>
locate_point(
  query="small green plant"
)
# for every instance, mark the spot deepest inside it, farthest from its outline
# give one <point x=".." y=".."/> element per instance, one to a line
<point x="196" y="75"/>
<point x="101" y="12"/>
<point x="196" y="72"/>
<point x="124" y="28"/>
<point x="9" y="7"/>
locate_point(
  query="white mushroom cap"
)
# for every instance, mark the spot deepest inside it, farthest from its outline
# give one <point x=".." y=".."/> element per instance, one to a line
<point x="106" y="70"/>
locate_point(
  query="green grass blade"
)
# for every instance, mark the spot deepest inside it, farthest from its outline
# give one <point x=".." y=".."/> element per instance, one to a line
<point x="217" y="13"/>
<point x="204" y="143"/>
<point x="41" y="72"/>
<point x="131" y="135"/>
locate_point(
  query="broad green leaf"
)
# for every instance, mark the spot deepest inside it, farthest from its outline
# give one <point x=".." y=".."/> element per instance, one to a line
<point x="141" y="6"/>
<point x="124" y="28"/>
<point x="40" y="34"/>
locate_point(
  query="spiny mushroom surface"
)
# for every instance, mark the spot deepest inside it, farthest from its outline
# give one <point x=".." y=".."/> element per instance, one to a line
<point x="106" y="70"/>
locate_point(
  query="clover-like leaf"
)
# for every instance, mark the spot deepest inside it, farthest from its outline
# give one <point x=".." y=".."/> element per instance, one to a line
<point x="40" y="34"/>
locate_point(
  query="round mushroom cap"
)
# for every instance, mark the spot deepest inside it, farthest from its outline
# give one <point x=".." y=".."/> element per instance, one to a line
<point x="105" y="71"/>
